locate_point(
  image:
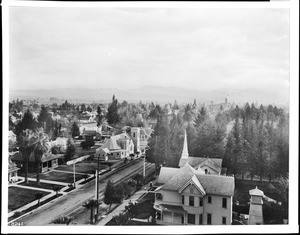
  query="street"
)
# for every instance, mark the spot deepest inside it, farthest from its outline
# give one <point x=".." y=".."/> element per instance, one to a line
<point x="74" y="200"/>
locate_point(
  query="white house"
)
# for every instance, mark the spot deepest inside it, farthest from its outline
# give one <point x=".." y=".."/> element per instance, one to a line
<point x="86" y="119"/>
<point x="117" y="146"/>
<point x="60" y="142"/>
<point x="189" y="196"/>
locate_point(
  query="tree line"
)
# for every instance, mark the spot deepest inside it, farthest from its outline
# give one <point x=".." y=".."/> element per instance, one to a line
<point x="250" y="139"/>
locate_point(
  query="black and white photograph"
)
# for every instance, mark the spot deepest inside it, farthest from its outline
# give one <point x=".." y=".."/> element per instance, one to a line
<point x="153" y="116"/>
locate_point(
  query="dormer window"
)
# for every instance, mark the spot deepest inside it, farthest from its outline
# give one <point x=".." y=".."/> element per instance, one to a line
<point x="191" y="190"/>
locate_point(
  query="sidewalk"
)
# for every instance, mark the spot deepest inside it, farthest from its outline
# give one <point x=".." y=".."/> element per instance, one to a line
<point x="121" y="208"/>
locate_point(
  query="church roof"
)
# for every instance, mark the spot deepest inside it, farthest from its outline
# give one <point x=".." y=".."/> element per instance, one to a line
<point x="212" y="164"/>
<point x="111" y="144"/>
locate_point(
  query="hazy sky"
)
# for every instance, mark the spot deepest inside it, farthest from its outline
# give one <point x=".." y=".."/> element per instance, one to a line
<point x="132" y="47"/>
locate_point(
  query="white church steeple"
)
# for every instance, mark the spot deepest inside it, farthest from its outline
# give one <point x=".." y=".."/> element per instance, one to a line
<point x="185" y="153"/>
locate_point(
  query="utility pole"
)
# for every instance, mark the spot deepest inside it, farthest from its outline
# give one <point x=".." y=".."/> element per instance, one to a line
<point x="97" y="186"/>
<point x="144" y="169"/>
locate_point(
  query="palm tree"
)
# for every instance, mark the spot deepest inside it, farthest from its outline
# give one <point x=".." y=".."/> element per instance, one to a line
<point x="63" y="220"/>
<point x="121" y="219"/>
<point x="91" y="204"/>
<point x="40" y="144"/>
<point x="56" y="189"/>
<point x="38" y="196"/>
<point x="25" y="143"/>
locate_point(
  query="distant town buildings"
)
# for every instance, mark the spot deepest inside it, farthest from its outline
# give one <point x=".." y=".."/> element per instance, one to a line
<point x="124" y="145"/>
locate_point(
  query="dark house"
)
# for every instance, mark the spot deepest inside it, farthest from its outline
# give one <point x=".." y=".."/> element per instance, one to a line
<point x="49" y="161"/>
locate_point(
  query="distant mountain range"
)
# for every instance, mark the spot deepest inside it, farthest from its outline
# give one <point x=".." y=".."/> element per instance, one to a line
<point x="157" y="94"/>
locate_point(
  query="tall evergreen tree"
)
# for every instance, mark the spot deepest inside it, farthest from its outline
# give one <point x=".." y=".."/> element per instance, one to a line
<point x="75" y="130"/>
<point x="100" y="115"/>
<point x="45" y="120"/>
<point x="112" y="112"/>
<point x="27" y="122"/>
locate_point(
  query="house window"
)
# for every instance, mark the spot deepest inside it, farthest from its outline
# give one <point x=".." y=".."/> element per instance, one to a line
<point x="118" y="154"/>
<point x="159" y="196"/>
<point x="133" y="135"/>
<point x="200" y="219"/>
<point x="182" y="200"/>
<point x="208" y="218"/>
<point x="224" y="202"/>
<point x="191" y="219"/>
<point x="209" y="199"/>
<point x="200" y="201"/>
<point x="224" y="220"/>
<point x="191" y="201"/>
<point x="191" y="190"/>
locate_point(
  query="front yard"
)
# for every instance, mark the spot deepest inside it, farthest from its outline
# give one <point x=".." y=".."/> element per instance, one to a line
<point x="82" y="167"/>
<point x="61" y="176"/>
<point x="18" y="197"/>
<point x="42" y="185"/>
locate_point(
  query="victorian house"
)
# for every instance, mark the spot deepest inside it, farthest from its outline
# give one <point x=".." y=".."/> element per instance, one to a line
<point x="194" y="194"/>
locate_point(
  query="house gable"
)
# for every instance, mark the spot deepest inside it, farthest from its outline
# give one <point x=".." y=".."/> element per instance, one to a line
<point x="193" y="183"/>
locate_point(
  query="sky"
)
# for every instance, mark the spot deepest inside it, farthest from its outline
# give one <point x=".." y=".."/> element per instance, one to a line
<point x="190" y="48"/>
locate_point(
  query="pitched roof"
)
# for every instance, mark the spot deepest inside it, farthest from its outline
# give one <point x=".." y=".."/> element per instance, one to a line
<point x="110" y="143"/>
<point x="256" y="192"/>
<point x="217" y="184"/>
<point x="93" y="124"/>
<point x="165" y="174"/>
<point x="210" y="163"/>
<point x="196" y="182"/>
<point x="195" y="161"/>
<point x="46" y="157"/>
<point x="180" y="178"/>
<point x="175" y="178"/>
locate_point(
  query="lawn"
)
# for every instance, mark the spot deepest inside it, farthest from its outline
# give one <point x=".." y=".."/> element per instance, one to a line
<point x="61" y="176"/>
<point x="82" y="152"/>
<point x="33" y="207"/>
<point x="87" y="167"/>
<point x="42" y="185"/>
<point x="18" y="197"/>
